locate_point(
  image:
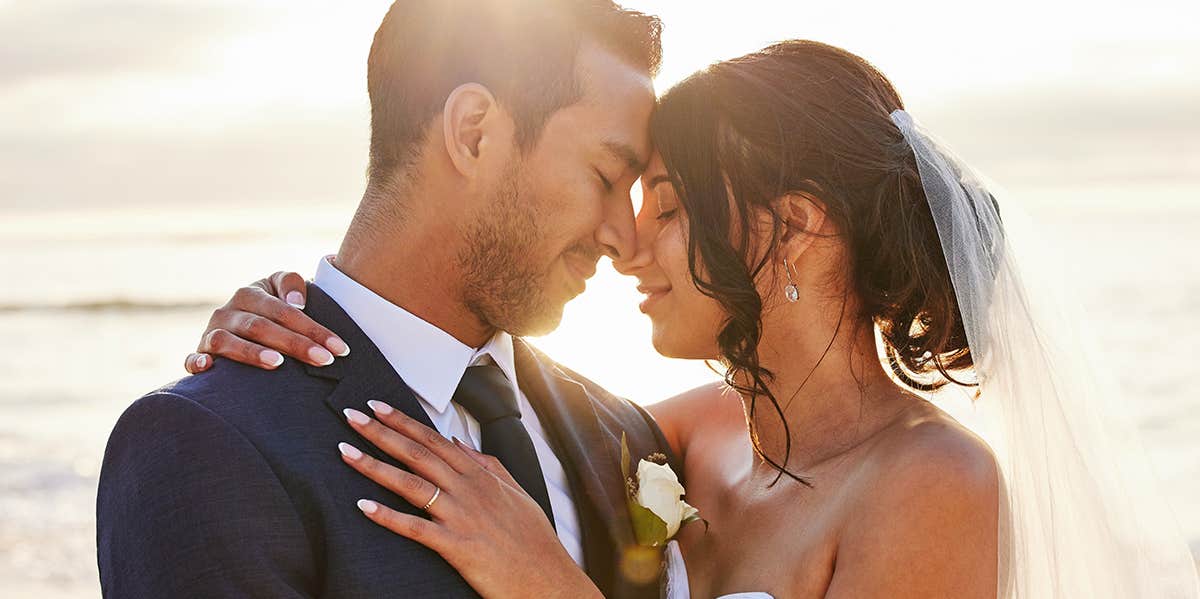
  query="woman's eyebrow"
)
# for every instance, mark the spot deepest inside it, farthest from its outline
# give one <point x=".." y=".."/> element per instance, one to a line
<point x="658" y="180"/>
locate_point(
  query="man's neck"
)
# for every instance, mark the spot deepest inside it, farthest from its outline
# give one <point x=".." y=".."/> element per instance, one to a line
<point x="415" y="274"/>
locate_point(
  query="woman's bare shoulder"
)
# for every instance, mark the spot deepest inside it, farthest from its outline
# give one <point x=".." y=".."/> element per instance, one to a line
<point x="938" y="434"/>
<point x="930" y="501"/>
<point x="679" y="416"/>
<point x="927" y="449"/>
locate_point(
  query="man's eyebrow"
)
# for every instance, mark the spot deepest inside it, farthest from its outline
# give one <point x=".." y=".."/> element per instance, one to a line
<point x="626" y="154"/>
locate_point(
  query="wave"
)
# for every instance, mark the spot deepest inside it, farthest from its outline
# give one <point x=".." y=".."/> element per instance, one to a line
<point x="109" y="305"/>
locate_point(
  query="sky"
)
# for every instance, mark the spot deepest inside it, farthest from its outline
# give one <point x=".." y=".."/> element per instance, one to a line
<point x="157" y="104"/>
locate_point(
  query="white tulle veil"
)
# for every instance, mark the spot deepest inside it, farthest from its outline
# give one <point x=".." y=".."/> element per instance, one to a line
<point x="1083" y="517"/>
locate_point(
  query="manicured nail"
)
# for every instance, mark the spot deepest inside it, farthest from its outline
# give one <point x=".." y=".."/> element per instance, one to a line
<point x="338" y="347"/>
<point x="271" y="357"/>
<point x="380" y="407"/>
<point x="355" y="416"/>
<point x="295" y="299"/>
<point x="201" y="361"/>
<point x="320" y="355"/>
<point x="349" y="451"/>
<point x="367" y="506"/>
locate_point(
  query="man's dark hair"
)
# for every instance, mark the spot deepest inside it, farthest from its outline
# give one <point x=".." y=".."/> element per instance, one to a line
<point x="522" y="50"/>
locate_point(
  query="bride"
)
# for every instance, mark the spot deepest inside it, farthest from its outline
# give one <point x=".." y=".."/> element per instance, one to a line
<point x="801" y="229"/>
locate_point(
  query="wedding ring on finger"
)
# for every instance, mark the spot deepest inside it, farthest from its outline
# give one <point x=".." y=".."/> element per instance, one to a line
<point x="437" y="492"/>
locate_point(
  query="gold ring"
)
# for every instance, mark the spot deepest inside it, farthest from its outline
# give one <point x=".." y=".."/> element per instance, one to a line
<point x="437" y="492"/>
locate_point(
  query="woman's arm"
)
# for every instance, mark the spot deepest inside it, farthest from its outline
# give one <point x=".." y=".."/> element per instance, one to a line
<point x="679" y="417"/>
<point x="482" y="523"/>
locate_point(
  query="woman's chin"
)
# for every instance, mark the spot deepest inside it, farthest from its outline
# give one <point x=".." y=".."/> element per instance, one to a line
<point x="669" y="344"/>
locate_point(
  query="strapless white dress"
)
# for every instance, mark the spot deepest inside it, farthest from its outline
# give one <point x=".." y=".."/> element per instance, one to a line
<point x="676" y="585"/>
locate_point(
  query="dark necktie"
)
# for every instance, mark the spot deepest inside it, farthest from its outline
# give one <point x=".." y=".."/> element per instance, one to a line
<point x="490" y="398"/>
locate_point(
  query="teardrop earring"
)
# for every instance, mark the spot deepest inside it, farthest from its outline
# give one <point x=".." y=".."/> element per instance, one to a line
<point x="790" y="291"/>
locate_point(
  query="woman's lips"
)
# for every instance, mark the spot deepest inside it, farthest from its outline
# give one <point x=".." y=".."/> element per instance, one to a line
<point x="654" y="293"/>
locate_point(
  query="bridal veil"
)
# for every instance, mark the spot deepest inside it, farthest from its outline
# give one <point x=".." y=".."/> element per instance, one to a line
<point x="1083" y="517"/>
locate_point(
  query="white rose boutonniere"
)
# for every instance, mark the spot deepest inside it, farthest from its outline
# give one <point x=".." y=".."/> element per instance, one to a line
<point x="655" y="496"/>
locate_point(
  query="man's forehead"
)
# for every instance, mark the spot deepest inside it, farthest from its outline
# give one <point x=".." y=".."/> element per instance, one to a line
<point x="599" y="68"/>
<point x="617" y="101"/>
<point x="605" y="77"/>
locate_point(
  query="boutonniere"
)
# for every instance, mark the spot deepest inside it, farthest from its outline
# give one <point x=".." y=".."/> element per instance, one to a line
<point x="657" y="509"/>
<point x="655" y="499"/>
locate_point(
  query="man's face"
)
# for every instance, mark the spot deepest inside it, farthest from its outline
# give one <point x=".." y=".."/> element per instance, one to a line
<point x="563" y="204"/>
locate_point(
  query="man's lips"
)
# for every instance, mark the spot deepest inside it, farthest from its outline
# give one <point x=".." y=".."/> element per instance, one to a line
<point x="582" y="267"/>
<point x="653" y="294"/>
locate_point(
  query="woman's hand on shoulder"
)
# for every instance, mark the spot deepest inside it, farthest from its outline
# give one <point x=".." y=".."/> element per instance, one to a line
<point x="262" y="323"/>
<point x="928" y="524"/>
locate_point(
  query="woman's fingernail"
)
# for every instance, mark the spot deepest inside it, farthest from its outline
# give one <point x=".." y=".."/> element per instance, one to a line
<point x="201" y="361"/>
<point x="380" y="407"/>
<point x="296" y="299"/>
<point x="367" y="506"/>
<point x="271" y="357"/>
<point x="320" y="355"/>
<point x="349" y="451"/>
<point x="355" y="416"/>
<point x="338" y="347"/>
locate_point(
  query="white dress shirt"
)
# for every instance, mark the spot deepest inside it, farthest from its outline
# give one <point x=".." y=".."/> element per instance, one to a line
<point x="432" y="362"/>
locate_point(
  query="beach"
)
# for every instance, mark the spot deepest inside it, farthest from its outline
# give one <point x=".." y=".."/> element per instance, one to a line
<point x="100" y="307"/>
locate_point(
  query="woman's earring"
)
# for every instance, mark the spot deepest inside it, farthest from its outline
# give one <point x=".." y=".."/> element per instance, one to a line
<point x="790" y="291"/>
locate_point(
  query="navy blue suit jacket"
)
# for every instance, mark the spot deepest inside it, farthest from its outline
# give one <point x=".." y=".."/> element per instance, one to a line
<point x="229" y="483"/>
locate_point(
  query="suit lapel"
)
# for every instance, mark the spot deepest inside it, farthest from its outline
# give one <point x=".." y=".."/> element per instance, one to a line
<point x="361" y="376"/>
<point x="590" y="451"/>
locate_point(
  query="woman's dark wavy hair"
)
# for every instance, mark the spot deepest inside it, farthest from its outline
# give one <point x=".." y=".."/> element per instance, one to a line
<point x="806" y="117"/>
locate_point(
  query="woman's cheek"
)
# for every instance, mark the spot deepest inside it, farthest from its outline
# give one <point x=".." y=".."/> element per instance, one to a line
<point x="691" y="326"/>
<point x="670" y="250"/>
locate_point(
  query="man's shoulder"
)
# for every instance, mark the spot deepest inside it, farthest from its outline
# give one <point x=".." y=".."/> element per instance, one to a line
<point x="229" y="384"/>
<point x="248" y="399"/>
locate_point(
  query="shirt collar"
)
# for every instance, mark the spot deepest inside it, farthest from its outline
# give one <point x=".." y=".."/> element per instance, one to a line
<point x="430" y="360"/>
<point x="500" y="349"/>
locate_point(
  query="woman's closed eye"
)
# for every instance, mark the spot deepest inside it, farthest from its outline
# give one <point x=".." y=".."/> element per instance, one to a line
<point x="667" y="207"/>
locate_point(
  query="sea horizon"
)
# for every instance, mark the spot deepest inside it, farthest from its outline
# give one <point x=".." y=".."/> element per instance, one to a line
<point x="102" y="313"/>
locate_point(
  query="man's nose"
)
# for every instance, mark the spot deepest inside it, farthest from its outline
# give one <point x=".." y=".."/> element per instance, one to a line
<point x="616" y="234"/>
<point x="642" y="254"/>
<point x="639" y="260"/>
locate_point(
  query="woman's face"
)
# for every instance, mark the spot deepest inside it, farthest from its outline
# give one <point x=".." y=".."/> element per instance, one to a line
<point x="685" y="321"/>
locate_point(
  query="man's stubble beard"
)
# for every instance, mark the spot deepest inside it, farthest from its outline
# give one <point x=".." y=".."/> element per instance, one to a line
<point x="502" y="284"/>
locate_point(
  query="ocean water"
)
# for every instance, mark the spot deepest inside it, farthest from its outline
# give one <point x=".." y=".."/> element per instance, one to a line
<point x="98" y="308"/>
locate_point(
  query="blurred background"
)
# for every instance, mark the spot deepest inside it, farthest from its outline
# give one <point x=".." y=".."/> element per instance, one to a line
<point x="157" y="154"/>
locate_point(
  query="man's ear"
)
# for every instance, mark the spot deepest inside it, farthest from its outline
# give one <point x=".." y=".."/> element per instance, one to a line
<point x="803" y="217"/>
<point x="472" y="123"/>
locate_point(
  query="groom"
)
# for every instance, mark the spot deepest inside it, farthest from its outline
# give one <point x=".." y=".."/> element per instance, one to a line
<point x="505" y="136"/>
